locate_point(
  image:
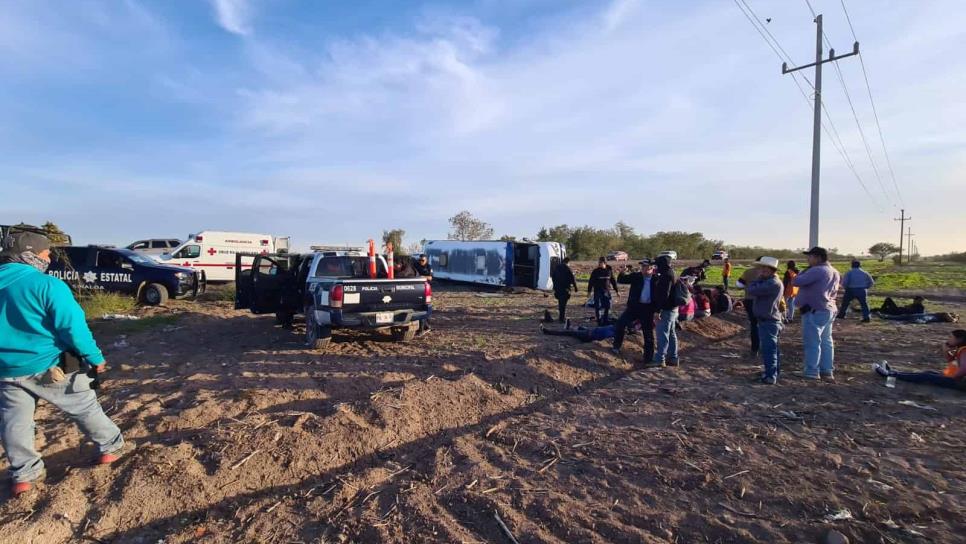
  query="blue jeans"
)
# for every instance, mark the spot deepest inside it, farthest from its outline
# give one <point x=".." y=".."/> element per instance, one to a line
<point x="855" y="294"/>
<point x="18" y="399"/>
<point x="790" y="304"/>
<point x="768" y="333"/>
<point x="667" y="337"/>
<point x="817" y="343"/>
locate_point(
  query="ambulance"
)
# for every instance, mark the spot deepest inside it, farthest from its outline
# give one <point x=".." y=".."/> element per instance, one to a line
<point x="213" y="252"/>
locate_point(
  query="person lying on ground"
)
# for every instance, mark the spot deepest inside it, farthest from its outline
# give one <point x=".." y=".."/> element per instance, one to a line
<point x="584" y="334"/>
<point x="952" y="377"/>
<point x="922" y="319"/>
<point x="889" y="307"/>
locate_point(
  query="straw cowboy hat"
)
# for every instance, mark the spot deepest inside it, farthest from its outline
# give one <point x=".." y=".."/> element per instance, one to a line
<point x="769" y="262"/>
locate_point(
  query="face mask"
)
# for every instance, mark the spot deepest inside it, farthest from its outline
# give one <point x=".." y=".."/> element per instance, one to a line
<point x="33" y="260"/>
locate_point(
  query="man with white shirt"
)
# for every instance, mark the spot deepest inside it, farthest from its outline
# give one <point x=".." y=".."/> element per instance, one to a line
<point x="640" y="307"/>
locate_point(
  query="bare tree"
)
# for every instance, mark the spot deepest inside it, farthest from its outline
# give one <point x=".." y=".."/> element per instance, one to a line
<point x="466" y="227"/>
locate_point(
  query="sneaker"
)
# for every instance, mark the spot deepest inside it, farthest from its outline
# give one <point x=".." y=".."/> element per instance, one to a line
<point x="828" y="378"/>
<point x="810" y="377"/>
<point x="769" y="380"/>
<point x="114" y="456"/>
<point x="654" y="364"/>
<point x="19" y="488"/>
<point x="867" y="321"/>
<point x="672" y="362"/>
<point x="880" y="370"/>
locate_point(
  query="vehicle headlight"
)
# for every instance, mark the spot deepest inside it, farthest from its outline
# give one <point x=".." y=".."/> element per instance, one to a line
<point x="183" y="275"/>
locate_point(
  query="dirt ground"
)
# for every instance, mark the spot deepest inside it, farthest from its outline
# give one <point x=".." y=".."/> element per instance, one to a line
<point x="244" y="436"/>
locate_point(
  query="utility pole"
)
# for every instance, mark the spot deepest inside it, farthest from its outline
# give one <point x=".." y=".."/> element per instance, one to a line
<point x="817" y="126"/>
<point x="902" y="229"/>
<point x="910" y="235"/>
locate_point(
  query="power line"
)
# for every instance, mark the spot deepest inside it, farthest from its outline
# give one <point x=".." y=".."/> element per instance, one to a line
<point x="858" y="125"/>
<point x="875" y="112"/>
<point x="784" y="56"/>
<point x="855" y="116"/>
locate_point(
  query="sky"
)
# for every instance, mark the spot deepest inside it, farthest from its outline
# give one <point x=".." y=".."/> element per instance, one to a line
<point x="330" y="121"/>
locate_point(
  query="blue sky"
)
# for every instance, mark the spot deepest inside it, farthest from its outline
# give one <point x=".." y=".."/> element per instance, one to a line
<point x="330" y="121"/>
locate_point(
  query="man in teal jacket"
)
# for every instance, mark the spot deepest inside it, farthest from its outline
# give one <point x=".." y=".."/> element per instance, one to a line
<point x="40" y="321"/>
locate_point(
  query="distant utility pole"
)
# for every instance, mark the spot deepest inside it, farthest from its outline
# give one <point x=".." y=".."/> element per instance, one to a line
<point x="902" y="229"/>
<point x="817" y="126"/>
<point x="910" y="235"/>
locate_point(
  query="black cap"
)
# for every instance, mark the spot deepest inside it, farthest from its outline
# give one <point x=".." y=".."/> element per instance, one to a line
<point x="19" y="242"/>
<point x="818" y="252"/>
<point x="646" y="261"/>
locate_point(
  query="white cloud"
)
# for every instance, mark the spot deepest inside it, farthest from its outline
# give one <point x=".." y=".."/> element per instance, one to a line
<point x="613" y="112"/>
<point x="233" y="15"/>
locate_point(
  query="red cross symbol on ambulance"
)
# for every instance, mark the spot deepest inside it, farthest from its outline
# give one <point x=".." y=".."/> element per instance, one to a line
<point x="212" y="251"/>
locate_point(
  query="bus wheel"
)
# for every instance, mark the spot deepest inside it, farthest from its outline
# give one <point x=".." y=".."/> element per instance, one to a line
<point x="155" y="294"/>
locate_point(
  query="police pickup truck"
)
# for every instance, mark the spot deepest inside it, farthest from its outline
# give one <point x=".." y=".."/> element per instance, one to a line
<point x="123" y="271"/>
<point x="333" y="290"/>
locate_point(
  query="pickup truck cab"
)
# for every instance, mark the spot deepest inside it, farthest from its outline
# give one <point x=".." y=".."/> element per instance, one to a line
<point x="333" y="290"/>
<point x="123" y="271"/>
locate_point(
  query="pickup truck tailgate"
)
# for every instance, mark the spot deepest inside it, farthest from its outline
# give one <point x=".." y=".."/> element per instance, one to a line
<point x="383" y="295"/>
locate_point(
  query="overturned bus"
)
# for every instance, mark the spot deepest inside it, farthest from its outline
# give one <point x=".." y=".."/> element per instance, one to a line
<point x="498" y="263"/>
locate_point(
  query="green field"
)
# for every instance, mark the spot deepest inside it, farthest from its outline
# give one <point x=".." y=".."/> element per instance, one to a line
<point x="920" y="276"/>
<point x="888" y="276"/>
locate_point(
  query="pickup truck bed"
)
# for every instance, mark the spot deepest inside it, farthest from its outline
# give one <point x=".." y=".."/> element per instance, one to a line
<point x="332" y="290"/>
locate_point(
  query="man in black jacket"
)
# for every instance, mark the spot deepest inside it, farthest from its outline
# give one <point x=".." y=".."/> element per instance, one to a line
<point x="601" y="280"/>
<point x="667" y="336"/>
<point x="563" y="279"/>
<point x="640" y="307"/>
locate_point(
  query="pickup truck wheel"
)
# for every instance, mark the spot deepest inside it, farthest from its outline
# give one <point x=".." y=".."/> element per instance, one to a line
<point x="155" y="294"/>
<point x="405" y="334"/>
<point x="317" y="337"/>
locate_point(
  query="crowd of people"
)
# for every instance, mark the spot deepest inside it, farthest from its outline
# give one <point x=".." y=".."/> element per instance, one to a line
<point x="657" y="299"/>
<point x="48" y="352"/>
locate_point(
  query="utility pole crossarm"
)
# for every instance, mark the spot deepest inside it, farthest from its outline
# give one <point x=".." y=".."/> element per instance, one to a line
<point x="831" y="57"/>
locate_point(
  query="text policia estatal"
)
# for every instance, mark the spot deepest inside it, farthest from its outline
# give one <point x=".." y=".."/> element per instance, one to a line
<point x="91" y="277"/>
